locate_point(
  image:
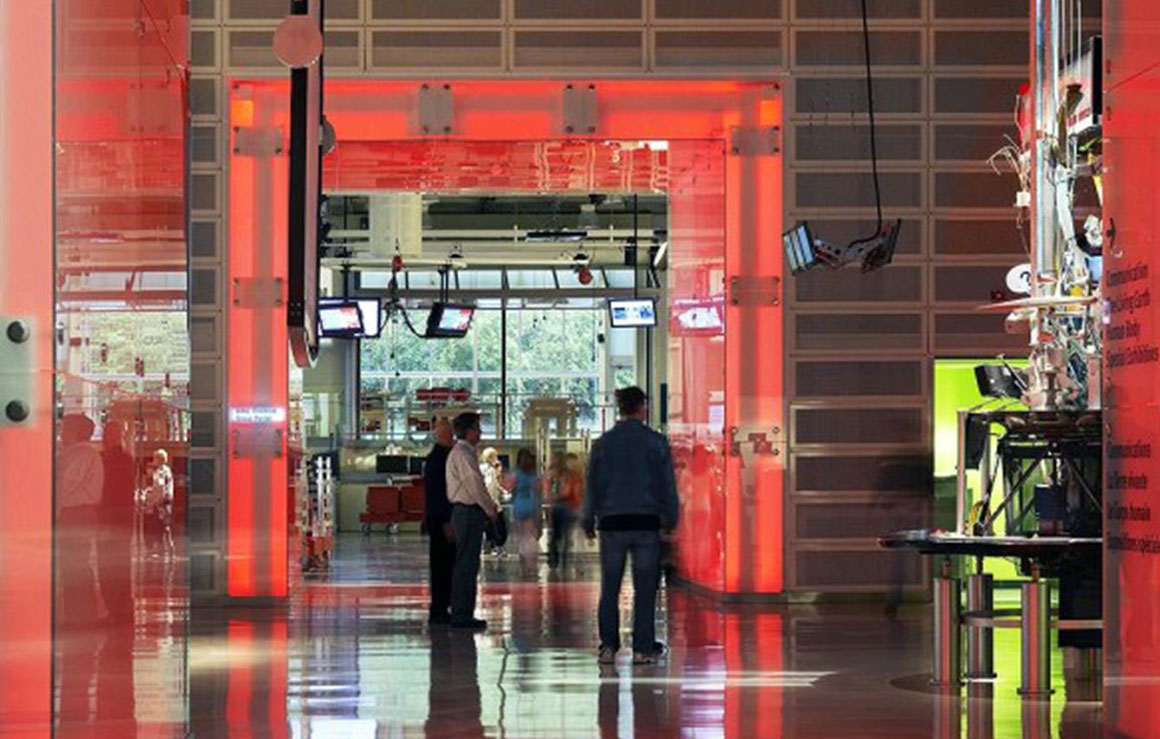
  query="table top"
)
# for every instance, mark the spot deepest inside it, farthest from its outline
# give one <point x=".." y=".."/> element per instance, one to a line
<point x="926" y="541"/>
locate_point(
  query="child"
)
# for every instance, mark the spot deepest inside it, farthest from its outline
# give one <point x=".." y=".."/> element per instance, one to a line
<point x="159" y="501"/>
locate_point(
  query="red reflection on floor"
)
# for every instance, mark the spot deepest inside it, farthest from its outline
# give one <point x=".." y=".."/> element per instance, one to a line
<point x="351" y="656"/>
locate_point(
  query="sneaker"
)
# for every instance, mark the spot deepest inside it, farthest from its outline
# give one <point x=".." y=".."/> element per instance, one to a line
<point x="607" y="656"/>
<point x="471" y="624"/>
<point x="643" y="658"/>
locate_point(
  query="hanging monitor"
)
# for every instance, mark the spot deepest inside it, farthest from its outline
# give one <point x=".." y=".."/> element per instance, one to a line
<point x="636" y="313"/>
<point x="369" y="309"/>
<point x="447" y="321"/>
<point x="340" y="320"/>
<point x="799" y="248"/>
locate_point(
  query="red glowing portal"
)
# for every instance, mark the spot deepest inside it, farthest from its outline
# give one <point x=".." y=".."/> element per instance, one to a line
<point x="711" y="145"/>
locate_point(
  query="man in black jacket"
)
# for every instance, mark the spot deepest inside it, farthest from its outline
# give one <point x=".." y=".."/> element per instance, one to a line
<point x="442" y="537"/>
<point x="632" y="500"/>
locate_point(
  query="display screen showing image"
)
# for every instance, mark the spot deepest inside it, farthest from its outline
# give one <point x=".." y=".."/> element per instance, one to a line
<point x="799" y="248"/>
<point x="633" y="313"/>
<point x="369" y="310"/>
<point x="342" y="319"/>
<point x="449" y="321"/>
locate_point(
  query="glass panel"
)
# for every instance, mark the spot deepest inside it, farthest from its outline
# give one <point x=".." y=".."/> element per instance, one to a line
<point x="480" y="280"/>
<point x="418" y="280"/>
<point x="556" y="372"/>
<point x="122" y="370"/>
<point x="399" y="364"/>
<point x="696" y="358"/>
<point x="619" y="278"/>
<point x="531" y="278"/>
<point x="374" y="280"/>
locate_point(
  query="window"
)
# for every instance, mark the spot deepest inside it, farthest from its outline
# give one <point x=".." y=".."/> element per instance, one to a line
<point x="399" y="364"/>
<point x="555" y="349"/>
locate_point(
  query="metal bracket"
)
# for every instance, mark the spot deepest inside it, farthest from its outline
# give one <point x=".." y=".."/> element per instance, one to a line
<point x="17" y="401"/>
<point x="755" y="141"/>
<point x="759" y="441"/>
<point x="256" y="442"/>
<point x="436" y="110"/>
<point x="755" y="290"/>
<point x="581" y="111"/>
<point x="258" y="141"/>
<point x="257" y="292"/>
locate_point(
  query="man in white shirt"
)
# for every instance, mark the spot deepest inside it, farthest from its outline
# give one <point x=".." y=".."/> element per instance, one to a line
<point x="471" y="508"/>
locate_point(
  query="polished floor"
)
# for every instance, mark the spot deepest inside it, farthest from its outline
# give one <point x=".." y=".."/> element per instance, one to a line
<point x="352" y="656"/>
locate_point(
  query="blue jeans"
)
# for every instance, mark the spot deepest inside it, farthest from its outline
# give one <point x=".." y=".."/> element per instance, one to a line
<point x="615" y="547"/>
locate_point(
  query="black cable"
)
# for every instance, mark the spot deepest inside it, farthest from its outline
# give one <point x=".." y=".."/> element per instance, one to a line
<point x="394" y="304"/>
<point x="870" y="107"/>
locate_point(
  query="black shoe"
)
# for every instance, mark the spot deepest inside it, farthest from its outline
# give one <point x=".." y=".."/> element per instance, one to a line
<point x="471" y="624"/>
<point x="658" y="650"/>
<point x="438" y="619"/>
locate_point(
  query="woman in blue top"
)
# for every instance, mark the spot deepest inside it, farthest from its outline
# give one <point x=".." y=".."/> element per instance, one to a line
<point x="526" y="507"/>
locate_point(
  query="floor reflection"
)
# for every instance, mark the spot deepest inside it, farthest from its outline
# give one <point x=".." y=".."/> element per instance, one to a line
<point x="350" y="658"/>
<point x="119" y="636"/>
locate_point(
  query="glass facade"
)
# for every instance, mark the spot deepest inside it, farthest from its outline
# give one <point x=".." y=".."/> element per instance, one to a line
<point x="554" y="349"/>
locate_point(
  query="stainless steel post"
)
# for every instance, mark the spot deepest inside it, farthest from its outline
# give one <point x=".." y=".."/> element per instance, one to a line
<point x="980" y="639"/>
<point x="948" y="717"/>
<point x="981" y="710"/>
<point x="962" y="502"/>
<point x="1036" y="632"/>
<point x="946" y="657"/>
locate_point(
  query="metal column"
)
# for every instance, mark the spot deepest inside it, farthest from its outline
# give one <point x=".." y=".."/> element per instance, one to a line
<point x="1036" y="633"/>
<point x="981" y="710"/>
<point x="980" y="639"/>
<point x="946" y="655"/>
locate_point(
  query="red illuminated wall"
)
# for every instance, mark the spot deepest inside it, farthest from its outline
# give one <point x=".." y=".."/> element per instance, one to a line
<point x="26" y="280"/>
<point x="258" y="364"/>
<point x="728" y="433"/>
<point x="1132" y="394"/>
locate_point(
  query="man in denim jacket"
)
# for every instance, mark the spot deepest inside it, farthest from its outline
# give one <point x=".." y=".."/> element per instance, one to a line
<point x="632" y="501"/>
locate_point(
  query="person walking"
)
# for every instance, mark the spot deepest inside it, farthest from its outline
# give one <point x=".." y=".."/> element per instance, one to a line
<point x="526" y="508"/>
<point x="471" y="509"/>
<point x="566" y="486"/>
<point x="632" y="499"/>
<point x="440" y="534"/>
<point x="492" y="470"/>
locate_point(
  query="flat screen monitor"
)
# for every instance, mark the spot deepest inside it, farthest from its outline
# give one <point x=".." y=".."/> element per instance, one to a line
<point x="370" y="311"/>
<point x="640" y="313"/>
<point x="447" y="321"/>
<point x="393" y="464"/>
<point x="342" y="320"/>
<point x="799" y="248"/>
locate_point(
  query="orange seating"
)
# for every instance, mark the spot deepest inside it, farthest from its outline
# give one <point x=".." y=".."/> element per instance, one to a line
<point x="393" y="504"/>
